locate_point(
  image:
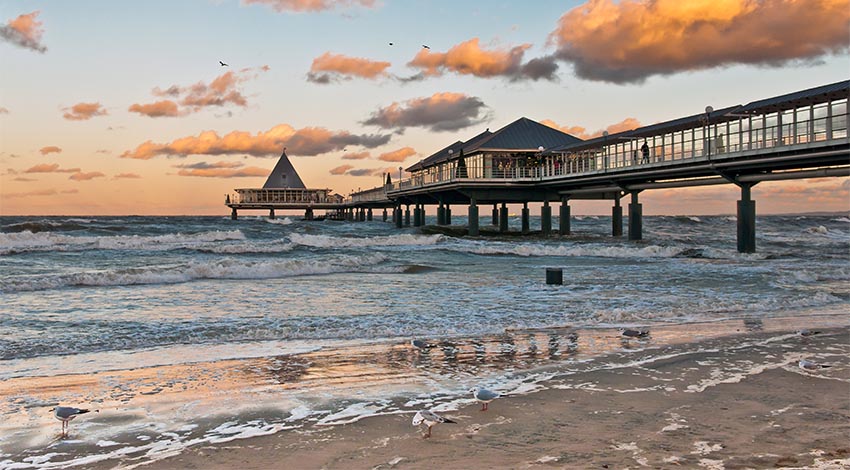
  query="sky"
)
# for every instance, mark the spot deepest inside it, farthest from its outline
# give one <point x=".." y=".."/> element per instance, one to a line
<point x="125" y="108"/>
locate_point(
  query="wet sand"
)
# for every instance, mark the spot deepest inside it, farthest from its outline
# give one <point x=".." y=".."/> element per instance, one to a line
<point x="734" y="402"/>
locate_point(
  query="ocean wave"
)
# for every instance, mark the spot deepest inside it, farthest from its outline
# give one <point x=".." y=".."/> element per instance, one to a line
<point x="26" y="241"/>
<point x="841" y="219"/>
<point x="533" y="249"/>
<point x="283" y="221"/>
<point x="324" y="241"/>
<point x="195" y="270"/>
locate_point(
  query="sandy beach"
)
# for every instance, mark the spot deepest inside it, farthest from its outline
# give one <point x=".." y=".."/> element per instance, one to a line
<point x="734" y="400"/>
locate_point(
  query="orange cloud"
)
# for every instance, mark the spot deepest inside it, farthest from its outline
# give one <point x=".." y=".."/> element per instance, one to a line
<point x="221" y="170"/>
<point x="24" y="31"/>
<point x="438" y="112"/>
<point x="397" y="155"/>
<point x="308" y="141"/>
<point x="356" y="156"/>
<point x="340" y="170"/>
<point x="159" y="109"/>
<point x="3" y="110"/>
<point x="80" y="176"/>
<point x="300" y="6"/>
<point x="629" y="41"/>
<point x="41" y="192"/>
<point x="83" y="111"/>
<point x="221" y="91"/>
<point x="50" y="168"/>
<point x="50" y="149"/>
<point x="467" y="58"/>
<point x="580" y="132"/>
<point x="127" y="176"/>
<point x="328" y="67"/>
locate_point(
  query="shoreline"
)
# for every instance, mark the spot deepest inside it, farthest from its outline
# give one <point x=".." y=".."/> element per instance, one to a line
<point x="545" y="368"/>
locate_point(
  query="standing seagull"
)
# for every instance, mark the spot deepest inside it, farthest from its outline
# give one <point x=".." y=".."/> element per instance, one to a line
<point x="809" y="365"/>
<point x="223" y="64"/>
<point x="628" y="332"/>
<point x="484" y="396"/>
<point x="429" y="418"/>
<point x="66" y="414"/>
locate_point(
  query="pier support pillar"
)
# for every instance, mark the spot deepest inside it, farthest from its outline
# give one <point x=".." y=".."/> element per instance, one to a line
<point x="233" y="213"/>
<point x="635" y="218"/>
<point x="746" y="221"/>
<point x="363" y="215"/>
<point x="407" y="216"/>
<point x="496" y="215"/>
<point x="416" y="221"/>
<point x="399" y="221"/>
<point x="525" y="225"/>
<point x="271" y="214"/>
<point x="369" y="214"/>
<point x="447" y="216"/>
<point x="503" y="218"/>
<point x="308" y="214"/>
<point x="441" y="214"/>
<point x="473" y="219"/>
<point x="617" y="218"/>
<point x="385" y="214"/>
<point x="564" y="217"/>
<point x="546" y="218"/>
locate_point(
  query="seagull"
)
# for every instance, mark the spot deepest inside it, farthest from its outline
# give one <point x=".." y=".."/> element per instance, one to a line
<point x="426" y="47"/>
<point x="429" y="418"/>
<point x="419" y="344"/>
<point x="391" y="44"/>
<point x="223" y="64"/>
<point x="805" y="332"/>
<point x="809" y="365"/>
<point x="635" y="333"/>
<point x="66" y="414"/>
<point x="484" y="396"/>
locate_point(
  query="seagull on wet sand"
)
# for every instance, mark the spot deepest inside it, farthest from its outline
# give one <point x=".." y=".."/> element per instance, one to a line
<point x="805" y="332"/>
<point x="484" y="396"/>
<point x="66" y="414"/>
<point x="429" y="418"/>
<point x="809" y="365"/>
<point x="635" y="333"/>
<point x="223" y="64"/>
<point x="419" y="344"/>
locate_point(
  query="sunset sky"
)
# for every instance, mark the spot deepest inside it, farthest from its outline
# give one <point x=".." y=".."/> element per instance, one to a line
<point x="123" y="108"/>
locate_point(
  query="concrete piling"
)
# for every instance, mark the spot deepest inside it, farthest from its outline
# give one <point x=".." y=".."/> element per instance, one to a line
<point x="564" y="217"/>
<point x="473" y="219"/>
<point x="503" y="218"/>
<point x="554" y="276"/>
<point x="546" y="218"/>
<point x="635" y="218"/>
<point x="617" y="218"/>
<point x="525" y="224"/>
<point x="746" y="221"/>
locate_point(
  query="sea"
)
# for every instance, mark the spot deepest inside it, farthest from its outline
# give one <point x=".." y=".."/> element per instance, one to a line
<point x="181" y="331"/>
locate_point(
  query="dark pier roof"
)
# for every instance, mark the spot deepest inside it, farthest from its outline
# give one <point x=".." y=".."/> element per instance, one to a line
<point x="284" y="175"/>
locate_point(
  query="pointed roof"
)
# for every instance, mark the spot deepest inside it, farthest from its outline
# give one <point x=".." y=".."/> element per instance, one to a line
<point x="523" y="135"/>
<point x="284" y="175"/>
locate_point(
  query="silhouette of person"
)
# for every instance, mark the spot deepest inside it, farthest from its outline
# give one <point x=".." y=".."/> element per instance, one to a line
<point x="644" y="149"/>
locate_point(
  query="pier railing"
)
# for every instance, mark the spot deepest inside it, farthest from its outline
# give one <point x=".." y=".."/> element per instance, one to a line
<point x="283" y="196"/>
<point x="734" y="136"/>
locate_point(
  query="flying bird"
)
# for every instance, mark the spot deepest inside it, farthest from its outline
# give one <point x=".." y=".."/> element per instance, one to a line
<point x="429" y="418"/>
<point x="635" y="333"/>
<point x="484" y="396"/>
<point x="426" y="47"/>
<point x="66" y="414"/>
<point x="809" y="365"/>
<point x="223" y="64"/>
<point x="391" y="44"/>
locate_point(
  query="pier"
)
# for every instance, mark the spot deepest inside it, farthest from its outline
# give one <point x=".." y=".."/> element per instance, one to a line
<point x="794" y="136"/>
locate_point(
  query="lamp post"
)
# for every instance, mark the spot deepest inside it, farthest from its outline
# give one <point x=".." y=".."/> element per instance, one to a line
<point x="604" y="150"/>
<point x="399" y="177"/>
<point x="448" y="166"/>
<point x="708" y="111"/>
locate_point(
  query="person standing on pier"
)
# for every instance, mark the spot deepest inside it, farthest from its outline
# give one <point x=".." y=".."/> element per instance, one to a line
<point x="644" y="149"/>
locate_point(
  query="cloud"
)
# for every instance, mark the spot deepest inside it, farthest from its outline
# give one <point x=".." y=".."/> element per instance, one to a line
<point x="356" y="156"/>
<point x="41" y="192"/>
<point x="126" y="176"/>
<point x="24" y="31"/>
<point x="25" y="180"/>
<point x="340" y="170"/>
<point x="629" y="41"/>
<point x="308" y="141"/>
<point x="3" y="110"/>
<point x="80" y="176"/>
<point x="397" y="155"/>
<point x="50" y="168"/>
<point x="220" y="170"/>
<point x="50" y="149"/>
<point x="221" y="91"/>
<point x="83" y="111"/>
<point x="332" y="67"/>
<point x="300" y="6"/>
<point x="580" y="132"/>
<point x="467" y="58"/>
<point x="439" y="112"/>
<point x="164" y="108"/>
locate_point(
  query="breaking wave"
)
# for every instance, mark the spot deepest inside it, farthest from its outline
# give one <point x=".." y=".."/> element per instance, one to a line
<point x="26" y="241"/>
<point x="324" y="241"/>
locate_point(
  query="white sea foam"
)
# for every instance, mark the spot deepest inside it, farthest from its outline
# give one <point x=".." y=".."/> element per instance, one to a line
<point x="324" y="241"/>
<point x="51" y="241"/>
<point x="842" y="219"/>
<point x="539" y="249"/>
<point x="228" y="268"/>
<point x="283" y="221"/>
